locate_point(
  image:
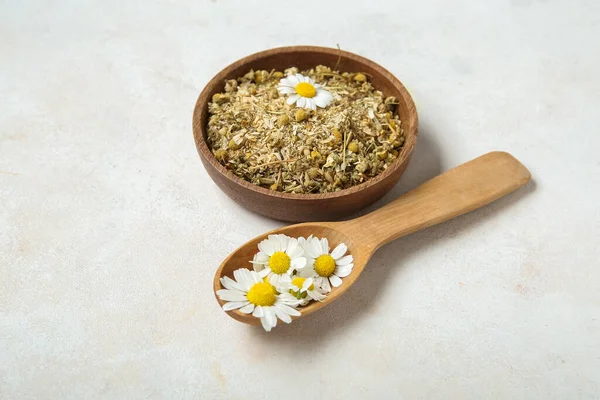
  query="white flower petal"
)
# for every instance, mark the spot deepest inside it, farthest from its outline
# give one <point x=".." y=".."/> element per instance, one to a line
<point x="264" y="272"/>
<point x="324" y="93"/>
<point x="310" y="104"/>
<point x="286" y="90"/>
<point x="343" y="268"/>
<point x="247" y="309"/>
<point x="282" y="315"/>
<point x="305" y="301"/>
<point x="285" y="241"/>
<point x="270" y="316"/>
<point x="237" y="275"/>
<point x="255" y="276"/>
<point x="231" y="295"/>
<point x="320" y="102"/>
<point x="274" y="242"/>
<point x="286" y="82"/>
<point x="310" y="262"/>
<point x="269" y="273"/>
<point x="289" y="310"/>
<point x="313" y="294"/>
<point x="275" y="279"/>
<point x="307" y="283"/>
<point x="243" y="277"/>
<point x="295" y="252"/>
<point x="266" y="247"/>
<point x="309" y="251"/>
<point x="265" y="324"/>
<point x="323" y="98"/>
<point x="285" y="287"/>
<point x="232" y="305"/>
<point x="305" y="243"/>
<point x="335" y="280"/>
<point x="259" y="260"/>
<point x="262" y="257"/>
<point x="271" y="310"/>
<point x="293" y="80"/>
<point x="301" y="102"/>
<point x="286" y="298"/>
<point x="229" y="283"/>
<point x="325" y="286"/>
<point x="294" y="249"/>
<point x="344" y="260"/>
<point x="258" y="312"/>
<point x="325" y="246"/>
<point x="298" y="263"/>
<point x="292" y="99"/>
<point x="307" y="272"/>
<point x="300" y="78"/>
<point x="339" y="251"/>
<point x="344" y="271"/>
<point x="317" y="250"/>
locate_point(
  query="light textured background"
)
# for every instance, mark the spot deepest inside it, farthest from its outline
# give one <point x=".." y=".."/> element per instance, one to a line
<point x="110" y="229"/>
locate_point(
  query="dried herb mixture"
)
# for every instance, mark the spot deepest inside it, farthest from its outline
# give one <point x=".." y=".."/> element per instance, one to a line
<point x="262" y="139"/>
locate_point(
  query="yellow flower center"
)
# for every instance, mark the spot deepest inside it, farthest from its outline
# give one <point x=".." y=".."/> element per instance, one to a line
<point x="305" y="89"/>
<point x="298" y="282"/>
<point x="279" y="262"/>
<point x="325" y="265"/>
<point x="261" y="294"/>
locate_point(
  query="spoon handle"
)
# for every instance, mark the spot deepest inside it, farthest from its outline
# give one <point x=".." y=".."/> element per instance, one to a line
<point x="453" y="193"/>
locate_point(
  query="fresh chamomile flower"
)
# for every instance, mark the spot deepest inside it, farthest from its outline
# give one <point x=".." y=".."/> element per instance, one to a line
<point x="326" y="268"/>
<point x="305" y="290"/>
<point x="251" y="293"/>
<point x="304" y="92"/>
<point x="280" y="255"/>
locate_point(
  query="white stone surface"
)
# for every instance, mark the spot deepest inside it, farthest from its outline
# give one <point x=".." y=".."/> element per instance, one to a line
<point x="110" y="229"/>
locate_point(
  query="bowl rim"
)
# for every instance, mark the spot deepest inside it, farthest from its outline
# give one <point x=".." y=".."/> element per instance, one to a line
<point x="204" y="150"/>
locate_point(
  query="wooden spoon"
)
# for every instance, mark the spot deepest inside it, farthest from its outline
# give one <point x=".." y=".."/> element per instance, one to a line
<point x="455" y="192"/>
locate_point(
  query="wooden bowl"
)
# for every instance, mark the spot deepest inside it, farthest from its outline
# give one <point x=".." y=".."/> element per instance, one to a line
<point x="306" y="207"/>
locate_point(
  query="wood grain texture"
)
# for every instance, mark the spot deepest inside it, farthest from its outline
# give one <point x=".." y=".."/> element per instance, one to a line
<point x="455" y="192"/>
<point x="306" y="207"/>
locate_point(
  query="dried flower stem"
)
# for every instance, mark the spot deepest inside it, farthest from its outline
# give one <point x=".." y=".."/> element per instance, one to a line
<point x="273" y="163"/>
<point x="337" y="63"/>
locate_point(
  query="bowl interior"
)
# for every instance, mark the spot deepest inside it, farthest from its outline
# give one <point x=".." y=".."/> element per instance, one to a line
<point x="306" y="57"/>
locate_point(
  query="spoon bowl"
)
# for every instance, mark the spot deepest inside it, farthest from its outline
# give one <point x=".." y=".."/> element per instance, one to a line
<point x="333" y="231"/>
<point x="455" y="192"/>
